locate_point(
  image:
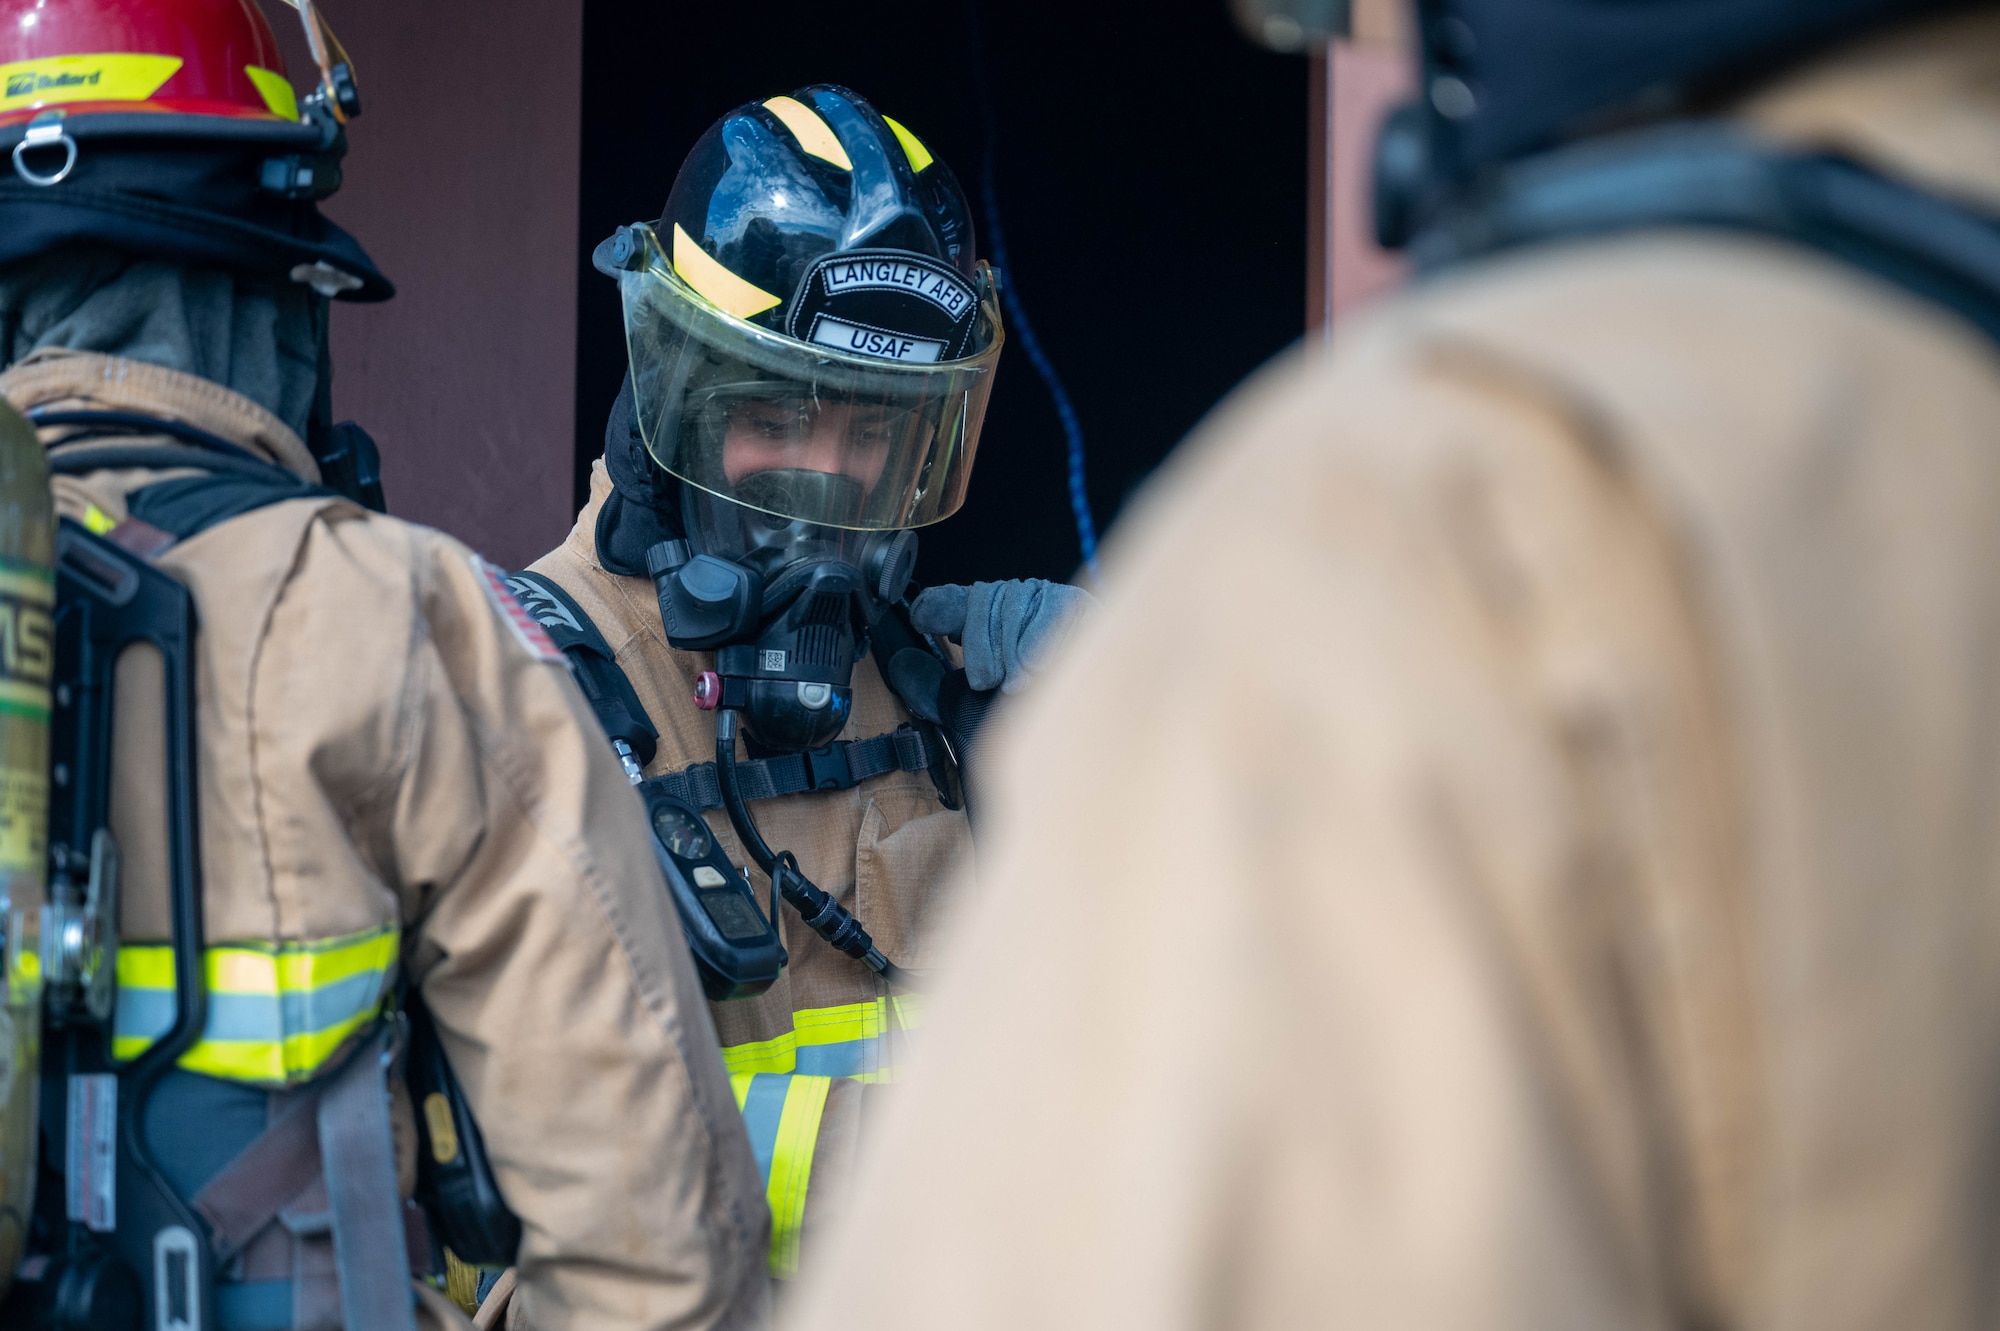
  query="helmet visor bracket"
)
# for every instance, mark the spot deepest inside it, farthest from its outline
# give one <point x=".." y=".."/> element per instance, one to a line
<point x="336" y="68"/>
<point x="800" y="431"/>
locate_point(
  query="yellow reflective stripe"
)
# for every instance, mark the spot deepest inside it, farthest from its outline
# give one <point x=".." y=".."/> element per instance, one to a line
<point x="812" y="132"/>
<point x="830" y="1025"/>
<point x="316" y="965"/>
<point x="276" y="90"/>
<point x="810" y="1026"/>
<point x="142" y="967"/>
<point x="791" y="1168"/>
<point x="276" y="1012"/>
<point x="843" y="1042"/>
<point x="266" y="968"/>
<point x="778" y="1054"/>
<point x="716" y="284"/>
<point x="111" y="77"/>
<point x="232" y="970"/>
<point x="913" y="147"/>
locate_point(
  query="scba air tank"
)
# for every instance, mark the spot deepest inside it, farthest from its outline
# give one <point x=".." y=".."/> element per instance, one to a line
<point x="27" y="658"/>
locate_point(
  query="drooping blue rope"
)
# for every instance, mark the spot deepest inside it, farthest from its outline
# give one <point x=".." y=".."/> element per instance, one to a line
<point x="1010" y="298"/>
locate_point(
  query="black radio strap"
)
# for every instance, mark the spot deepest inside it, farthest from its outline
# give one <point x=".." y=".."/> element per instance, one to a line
<point x="605" y="687"/>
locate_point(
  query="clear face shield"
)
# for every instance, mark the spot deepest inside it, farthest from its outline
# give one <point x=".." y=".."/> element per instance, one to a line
<point x="792" y="450"/>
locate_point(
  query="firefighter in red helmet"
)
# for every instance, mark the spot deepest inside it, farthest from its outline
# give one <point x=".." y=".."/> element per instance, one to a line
<point x="348" y="902"/>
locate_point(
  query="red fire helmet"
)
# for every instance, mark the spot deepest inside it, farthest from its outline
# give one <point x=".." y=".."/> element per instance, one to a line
<point x="193" y="61"/>
<point x="93" y="91"/>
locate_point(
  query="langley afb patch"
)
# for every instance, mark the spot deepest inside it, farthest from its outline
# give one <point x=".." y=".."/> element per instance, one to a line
<point x="527" y="632"/>
<point x="932" y="281"/>
<point x="885" y="304"/>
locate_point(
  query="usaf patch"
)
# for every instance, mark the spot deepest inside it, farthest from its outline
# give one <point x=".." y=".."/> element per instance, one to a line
<point x="527" y="632"/>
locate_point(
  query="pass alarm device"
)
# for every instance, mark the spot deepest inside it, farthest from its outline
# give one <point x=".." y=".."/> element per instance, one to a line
<point x="735" y="943"/>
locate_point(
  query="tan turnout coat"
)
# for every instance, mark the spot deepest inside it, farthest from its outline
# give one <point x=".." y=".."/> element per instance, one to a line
<point x="1521" y="846"/>
<point x="378" y="746"/>
<point x="886" y="849"/>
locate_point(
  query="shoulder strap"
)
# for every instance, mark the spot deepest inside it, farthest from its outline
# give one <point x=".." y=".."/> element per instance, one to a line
<point x="189" y="505"/>
<point x="1716" y="176"/>
<point x="232" y="480"/>
<point x="604" y="684"/>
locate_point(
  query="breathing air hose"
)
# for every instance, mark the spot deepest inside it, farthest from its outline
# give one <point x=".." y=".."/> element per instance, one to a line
<point x="822" y="914"/>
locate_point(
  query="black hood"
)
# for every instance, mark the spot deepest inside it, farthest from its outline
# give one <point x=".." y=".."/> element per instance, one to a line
<point x="644" y="506"/>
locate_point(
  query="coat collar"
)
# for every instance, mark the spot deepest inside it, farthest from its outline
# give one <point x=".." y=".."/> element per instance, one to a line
<point x="86" y="381"/>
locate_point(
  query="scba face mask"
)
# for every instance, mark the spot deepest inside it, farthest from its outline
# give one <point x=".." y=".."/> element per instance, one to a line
<point x="785" y="604"/>
<point x="804" y="465"/>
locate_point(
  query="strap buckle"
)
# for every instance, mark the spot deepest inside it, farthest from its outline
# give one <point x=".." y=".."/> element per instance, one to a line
<point x="828" y="768"/>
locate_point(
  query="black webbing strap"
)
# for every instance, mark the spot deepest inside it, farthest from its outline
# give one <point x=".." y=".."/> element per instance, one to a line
<point x="231" y="481"/>
<point x="591" y="660"/>
<point x="841" y="765"/>
<point x="189" y="505"/>
<point x="1716" y="176"/>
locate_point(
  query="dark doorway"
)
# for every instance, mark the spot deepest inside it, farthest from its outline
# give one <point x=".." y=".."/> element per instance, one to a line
<point x="1152" y="180"/>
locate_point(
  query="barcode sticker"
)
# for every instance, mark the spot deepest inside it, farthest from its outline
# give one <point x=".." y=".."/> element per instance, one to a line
<point x="92" y="1173"/>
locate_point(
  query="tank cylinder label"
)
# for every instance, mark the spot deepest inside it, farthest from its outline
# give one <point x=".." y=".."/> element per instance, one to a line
<point x="27" y="659"/>
<point x="27" y="639"/>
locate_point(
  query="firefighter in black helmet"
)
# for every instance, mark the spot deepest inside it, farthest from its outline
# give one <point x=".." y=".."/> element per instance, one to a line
<point x="1564" y="894"/>
<point x="812" y="344"/>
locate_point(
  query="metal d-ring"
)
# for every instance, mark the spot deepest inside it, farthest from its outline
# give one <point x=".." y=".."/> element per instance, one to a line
<point x="45" y="136"/>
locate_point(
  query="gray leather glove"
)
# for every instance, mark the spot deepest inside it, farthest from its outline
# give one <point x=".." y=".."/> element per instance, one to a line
<point x="1008" y="629"/>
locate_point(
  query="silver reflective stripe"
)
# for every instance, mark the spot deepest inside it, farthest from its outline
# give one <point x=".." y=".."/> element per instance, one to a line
<point x="763" y="1110"/>
<point x="848" y="1058"/>
<point x="146" y="1014"/>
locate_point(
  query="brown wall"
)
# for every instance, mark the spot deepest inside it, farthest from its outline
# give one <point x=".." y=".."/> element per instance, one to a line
<point x="462" y="182"/>
<point x="1355" y="83"/>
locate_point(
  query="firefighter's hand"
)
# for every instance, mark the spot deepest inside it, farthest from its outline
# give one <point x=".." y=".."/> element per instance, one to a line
<point x="1009" y="629"/>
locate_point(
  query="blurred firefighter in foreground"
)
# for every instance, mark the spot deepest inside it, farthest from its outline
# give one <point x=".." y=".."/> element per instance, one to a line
<point x="341" y="756"/>
<point x="1522" y="831"/>
<point x="812" y="341"/>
